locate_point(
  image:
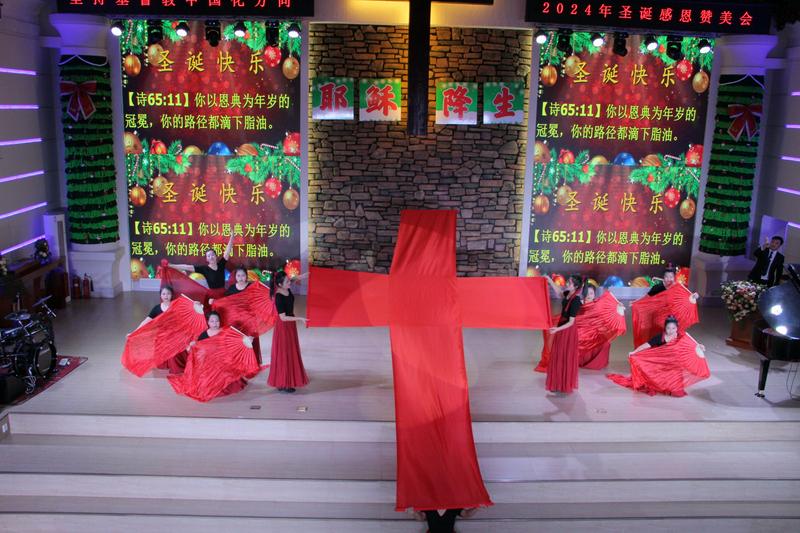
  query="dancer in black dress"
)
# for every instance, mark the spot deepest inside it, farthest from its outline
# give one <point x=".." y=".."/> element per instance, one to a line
<point x="213" y="270"/>
<point x="166" y="298"/>
<point x="286" y="371"/>
<point x="240" y="275"/>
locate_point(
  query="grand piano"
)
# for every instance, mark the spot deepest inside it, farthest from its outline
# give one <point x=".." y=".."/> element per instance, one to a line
<point x="777" y="336"/>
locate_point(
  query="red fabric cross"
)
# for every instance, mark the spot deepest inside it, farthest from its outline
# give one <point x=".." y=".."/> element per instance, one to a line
<point x="425" y="307"/>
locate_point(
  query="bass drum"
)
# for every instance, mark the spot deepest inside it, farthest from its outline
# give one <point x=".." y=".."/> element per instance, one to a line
<point x="44" y="359"/>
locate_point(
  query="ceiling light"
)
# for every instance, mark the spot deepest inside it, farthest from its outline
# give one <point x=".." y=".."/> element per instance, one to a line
<point x="272" y="34"/>
<point x="651" y="43"/>
<point x="541" y="37"/>
<point x="240" y="30"/>
<point x="620" y="44"/>
<point x="704" y="46"/>
<point x="212" y="32"/>
<point x="294" y="30"/>
<point x="182" y="29"/>
<point x="597" y="40"/>
<point x="116" y="28"/>
<point x="674" y="48"/>
<point x="155" y="32"/>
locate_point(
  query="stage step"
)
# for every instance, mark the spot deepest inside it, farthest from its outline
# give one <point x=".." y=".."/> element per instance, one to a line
<point x="275" y="469"/>
<point x="269" y="498"/>
<point x="506" y="462"/>
<point x="52" y="523"/>
<point x="362" y="431"/>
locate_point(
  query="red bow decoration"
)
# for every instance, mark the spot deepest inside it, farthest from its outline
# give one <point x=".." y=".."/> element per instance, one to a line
<point x="745" y="118"/>
<point x="80" y="98"/>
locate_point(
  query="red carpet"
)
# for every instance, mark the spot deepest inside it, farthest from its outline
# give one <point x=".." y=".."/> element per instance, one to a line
<point x="55" y="377"/>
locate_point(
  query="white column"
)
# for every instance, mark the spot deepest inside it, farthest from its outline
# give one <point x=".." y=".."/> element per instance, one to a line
<point x="734" y="54"/>
<point x="88" y="35"/>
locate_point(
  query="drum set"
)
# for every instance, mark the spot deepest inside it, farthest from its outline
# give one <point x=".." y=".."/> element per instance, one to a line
<point x="28" y="349"/>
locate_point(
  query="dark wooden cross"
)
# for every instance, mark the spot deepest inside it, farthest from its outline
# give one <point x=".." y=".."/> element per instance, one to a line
<point x="425" y="306"/>
<point x="419" y="58"/>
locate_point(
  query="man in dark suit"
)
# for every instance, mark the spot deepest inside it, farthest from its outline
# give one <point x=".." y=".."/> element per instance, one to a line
<point x="769" y="262"/>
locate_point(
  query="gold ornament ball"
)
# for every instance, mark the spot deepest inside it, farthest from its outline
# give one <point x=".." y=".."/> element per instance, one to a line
<point x="700" y="82"/>
<point x="132" y="144"/>
<point x="192" y="150"/>
<point x="688" y="208"/>
<point x="137" y="196"/>
<point x="651" y="160"/>
<point x="154" y="54"/>
<point x="291" y="67"/>
<point x="572" y="66"/>
<point x="541" y="205"/>
<point x="291" y="199"/>
<point x="641" y="281"/>
<point x="138" y="270"/>
<point x="540" y="153"/>
<point x="159" y="186"/>
<point x="598" y="160"/>
<point x="548" y="75"/>
<point x="198" y="277"/>
<point x="247" y="149"/>
<point x="132" y="65"/>
<point x="562" y="194"/>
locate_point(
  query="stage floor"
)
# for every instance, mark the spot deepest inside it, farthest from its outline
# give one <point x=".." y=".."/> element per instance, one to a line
<point x="351" y="377"/>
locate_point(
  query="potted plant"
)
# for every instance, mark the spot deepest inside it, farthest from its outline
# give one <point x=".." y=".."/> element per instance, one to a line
<point x="741" y="300"/>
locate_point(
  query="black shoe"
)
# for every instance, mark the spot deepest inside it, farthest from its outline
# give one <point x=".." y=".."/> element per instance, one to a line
<point x="290" y="389"/>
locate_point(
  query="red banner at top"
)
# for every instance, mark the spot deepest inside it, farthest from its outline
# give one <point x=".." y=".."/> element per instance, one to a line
<point x="658" y="15"/>
<point x="190" y="8"/>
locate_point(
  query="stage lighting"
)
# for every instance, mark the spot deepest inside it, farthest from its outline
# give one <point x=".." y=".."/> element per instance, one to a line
<point x="704" y="46"/>
<point x="674" y="48"/>
<point x="155" y="32"/>
<point x="294" y="30"/>
<point x="597" y="40"/>
<point x="212" y="32"/>
<point x="620" y="44"/>
<point x="182" y="29"/>
<point x="565" y="41"/>
<point x="239" y="30"/>
<point x="272" y="34"/>
<point x="651" y="43"/>
<point x="116" y="28"/>
<point x="541" y="37"/>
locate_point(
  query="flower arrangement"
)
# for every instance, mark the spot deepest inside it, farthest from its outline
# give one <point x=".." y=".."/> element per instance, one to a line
<point x="741" y="297"/>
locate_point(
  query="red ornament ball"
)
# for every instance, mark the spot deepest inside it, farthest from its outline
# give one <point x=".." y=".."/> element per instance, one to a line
<point x="137" y="196"/>
<point x="158" y="148"/>
<point x="566" y="156"/>
<point x="559" y="280"/>
<point x="272" y="56"/>
<point x="273" y="187"/>
<point x="694" y="155"/>
<point x="291" y="144"/>
<point x="684" y="70"/>
<point x="248" y="167"/>
<point x="650" y="178"/>
<point x="672" y="197"/>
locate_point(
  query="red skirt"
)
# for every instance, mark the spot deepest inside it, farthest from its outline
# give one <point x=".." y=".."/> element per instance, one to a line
<point x="596" y="359"/>
<point x="562" y="369"/>
<point x="286" y="368"/>
<point x="176" y="364"/>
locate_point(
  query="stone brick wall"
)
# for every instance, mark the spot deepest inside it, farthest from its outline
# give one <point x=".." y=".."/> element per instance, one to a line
<point x="362" y="174"/>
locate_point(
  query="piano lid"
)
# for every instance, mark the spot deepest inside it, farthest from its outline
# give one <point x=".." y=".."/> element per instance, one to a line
<point x="780" y="306"/>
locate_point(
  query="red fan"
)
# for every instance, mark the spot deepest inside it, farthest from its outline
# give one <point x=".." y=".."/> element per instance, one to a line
<point x="666" y="369"/>
<point x="599" y="322"/>
<point x="216" y="366"/>
<point x="164" y="337"/>
<point x="183" y="284"/>
<point x="252" y="311"/>
<point x="650" y="312"/>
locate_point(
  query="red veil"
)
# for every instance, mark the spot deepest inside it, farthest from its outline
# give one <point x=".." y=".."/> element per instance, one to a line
<point x="650" y="312"/>
<point x="666" y="369"/>
<point x="183" y="284"/>
<point x="252" y="311"/>
<point x="164" y="337"/>
<point x="214" y="364"/>
<point x="598" y="322"/>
